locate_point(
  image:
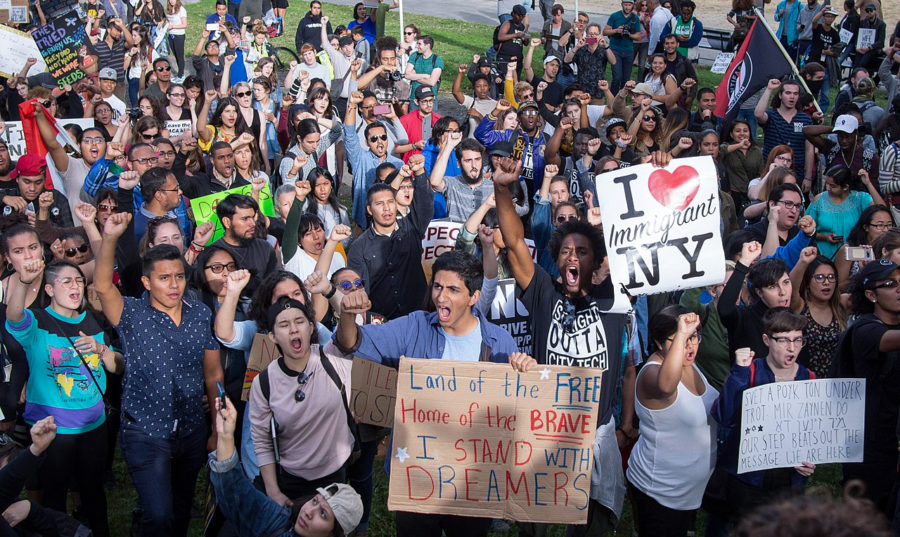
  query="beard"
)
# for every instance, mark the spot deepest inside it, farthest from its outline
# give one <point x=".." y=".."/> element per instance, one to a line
<point x="475" y="180"/>
<point x="5" y="169"/>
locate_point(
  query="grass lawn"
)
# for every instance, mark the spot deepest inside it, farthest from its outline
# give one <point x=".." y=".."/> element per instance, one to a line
<point x="456" y="42"/>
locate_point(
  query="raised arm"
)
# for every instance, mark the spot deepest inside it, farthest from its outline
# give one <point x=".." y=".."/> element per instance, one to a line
<point x="457" y="84"/>
<point x="440" y="164"/>
<point x="807" y="256"/>
<point x="661" y="383"/>
<point x="520" y="260"/>
<point x="763" y="104"/>
<point x="57" y="153"/>
<point x="202" y="121"/>
<point x="224" y="322"/>
<point x="110" y="298"/>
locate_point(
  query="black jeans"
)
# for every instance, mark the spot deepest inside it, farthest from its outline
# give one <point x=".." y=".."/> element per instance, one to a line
<point x="82" y="457"/>
<point x="657" y="520"/>
<point x="176" y="45"/>
<point x="426" y="525"/>
<point x="164" y="472"/>
<point x="296" y="487"/>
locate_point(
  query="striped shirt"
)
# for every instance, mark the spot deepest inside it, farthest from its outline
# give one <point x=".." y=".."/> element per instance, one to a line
<point x="777" y="131"/>
<point x="114" y="57"/>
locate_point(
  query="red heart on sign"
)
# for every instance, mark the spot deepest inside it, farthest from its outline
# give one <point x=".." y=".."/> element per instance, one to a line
<point x="674" y="190"/>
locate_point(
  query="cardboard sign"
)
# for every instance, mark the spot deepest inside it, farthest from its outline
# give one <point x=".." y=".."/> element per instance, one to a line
<point x="204" y="208"/>
<point x="478" y="439"/>
<point x="785" y="424"/>
<point x="62" y="45"/>
<point x="262" y="353"/>
<point x="177" y="128"/>
<point x="373" y="392"/>
<point x="508" y="312"/>
<point x="13" y="12"/>
<point x="663" y="217"/>
<point x="865" y="38"/>
<point x="441" y="237"/>
<point x="723" y="60"/>
<point x="15" y="138"/>
<point x="18" y="47"/>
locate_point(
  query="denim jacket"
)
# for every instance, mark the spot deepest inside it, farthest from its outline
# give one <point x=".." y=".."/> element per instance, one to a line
<point x="252" y="513"/>
<point x="789" y="18"/>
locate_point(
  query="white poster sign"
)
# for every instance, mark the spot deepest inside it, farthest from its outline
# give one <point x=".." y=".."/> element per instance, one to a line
<point x="785" y="424"/>
<point x="441" y="237"/>
<point x="846" y="36"/>
<point x="510" y="314"/>
<point x="18" y="47"/>
<point x="866" y="38"/>
<point x="15" y="138"/>
<point x="177" y="128"/>
<point x="662" y="217"/>
<point x="723" y="60"/>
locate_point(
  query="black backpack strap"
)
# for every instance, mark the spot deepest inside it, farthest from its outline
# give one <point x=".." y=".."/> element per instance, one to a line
<point x="351" y="423"/>
<point x="264" y="383"/>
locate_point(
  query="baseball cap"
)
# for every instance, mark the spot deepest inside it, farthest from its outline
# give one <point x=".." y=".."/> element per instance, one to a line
<point x="830" y="11"/>
<point x="519" y="9"/>
<point x="29" y="165"/>
<point x="643" y="88"/>
<point x="528" y="104"/>
<point x="551" y="58"/>
<point x="483" y="62"/>
<point x="501" y="149"/>
<point x="846" y="123"/>
<point x="346" y="40"/>
<point x="108" y="73"/>
<point x="627" y="1"/>
<point x="424" y="92"/>
<point x="614" y="122"/>
<point x="871" y="6"/>
<point x="865" y="85"/>
<point x="876" y="271"/>
<point x="345" y="503"/>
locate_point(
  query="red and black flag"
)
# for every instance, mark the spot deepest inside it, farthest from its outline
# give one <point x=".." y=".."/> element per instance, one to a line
<point x="759" y="59"/>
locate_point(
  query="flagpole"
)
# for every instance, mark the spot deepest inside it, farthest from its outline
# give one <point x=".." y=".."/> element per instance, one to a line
<point x="761" y="18"/>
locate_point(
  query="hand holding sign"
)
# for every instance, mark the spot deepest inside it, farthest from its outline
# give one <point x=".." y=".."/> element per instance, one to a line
<point x="521" y="362"/>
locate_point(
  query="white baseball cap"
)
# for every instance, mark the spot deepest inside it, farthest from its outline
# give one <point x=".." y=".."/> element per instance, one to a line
<point x="345" y="503"/>
<point x="846" y="123"/>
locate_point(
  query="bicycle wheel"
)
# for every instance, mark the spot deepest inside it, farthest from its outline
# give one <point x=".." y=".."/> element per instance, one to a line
<point x="283" y="57"/>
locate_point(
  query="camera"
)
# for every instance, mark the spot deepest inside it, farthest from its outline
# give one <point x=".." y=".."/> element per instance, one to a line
<point x="395" y="76"/>
<point x="134" y="113"/>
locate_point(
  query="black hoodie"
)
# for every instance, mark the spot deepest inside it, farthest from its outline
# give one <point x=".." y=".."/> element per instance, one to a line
<point x="310" y="31"/>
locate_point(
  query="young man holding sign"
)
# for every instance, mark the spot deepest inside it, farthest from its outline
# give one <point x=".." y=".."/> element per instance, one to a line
<point x="571" y="328"/>
<point x="454" y="331"/>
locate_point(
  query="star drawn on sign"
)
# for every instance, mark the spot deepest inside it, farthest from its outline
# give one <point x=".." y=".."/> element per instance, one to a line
<point x="401" y="454"/>
<point x="760" y="428"/>
<point x="545" y="374"/>
<point x="747" y="430"/>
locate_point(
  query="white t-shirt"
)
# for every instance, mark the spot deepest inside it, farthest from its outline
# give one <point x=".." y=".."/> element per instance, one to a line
<point x="317" y="71"/>
<point x="176" y="20"/>
<point x="303" y="264"/>
<point x="117" y="105"/>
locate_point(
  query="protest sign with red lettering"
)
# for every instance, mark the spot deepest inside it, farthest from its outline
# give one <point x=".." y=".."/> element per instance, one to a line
<point x="373" y="392"/>
<point x="441" y="237"/>
<point x="479" y="439"/>
<point x="663" y="217"/>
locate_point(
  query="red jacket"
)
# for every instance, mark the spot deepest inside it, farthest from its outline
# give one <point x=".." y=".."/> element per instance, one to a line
<point x="412" y="122"/>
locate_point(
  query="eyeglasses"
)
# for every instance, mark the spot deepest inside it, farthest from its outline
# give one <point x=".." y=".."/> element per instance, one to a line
<point x="147" y="160"/>
<point x="243" y="93"/>
<point x="376" y="137"/>
<point x="562" y="219"/>
<point x="824" y="277"/>
<point x="788" y="342"/>
<point x="161" y="69"/>
<point x="649" y="118"/>
<point x="887" y="284"/>
<point x="168" y="154"/>
<point x="529" y="112"/>
<point x="528" y="96"/>
<point x="45" y="104"/>
<point x="176" y="94"/>
<point x="784" y="158"/>
<point x="371" y="106"/>
<point x="149" y="135"/>
<point x="300" y="395"/>
<point x="426" y="101"/>
<point x="71" y="252"/>
<point x="107" y="208"/>
<point x="350" y="286"/>
<point x="95" y="140"/>
<point x="692" y="339"/>
<point x="217" y="268"/>
<point x="790" y="205"/>
<point x="880" y="226"/>
<point x="176" y="189"/>
<point x="68" y="281"/>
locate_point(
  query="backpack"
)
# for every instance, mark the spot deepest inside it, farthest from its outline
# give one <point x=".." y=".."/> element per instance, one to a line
<point x="266" y="390"/>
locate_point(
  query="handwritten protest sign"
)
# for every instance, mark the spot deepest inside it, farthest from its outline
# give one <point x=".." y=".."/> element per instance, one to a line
<point x="16" y="12"/>
<point x="720" y="65"/>
<point x="54" y="9"/>
<point x="18" y="47"/>
<point x="441" y="237"/>
<point x="479" y="439"/>
<point x="204" y="208"/>
<point x="373" y="392"/>
<point x="262" y="353"/>
<point x="663" y="217"/>
<point x="15" y="137"/>
<point x="865" y="38"/>
<point x="177" y="128"/>
<point x="508" y="312"/>
<point x="787" y="423"/>
<point x="62" y="45"/>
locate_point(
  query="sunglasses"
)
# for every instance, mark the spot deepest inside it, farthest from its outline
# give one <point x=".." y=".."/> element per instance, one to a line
<point x="562" y="219"/>
<point x="217" y="268"/>
<point x="375" y="138"/>
<point x="302" y="379"/>
<point x="161" y="69"/>
<point x="71" y="252"/>
<point x="409" y="33"/>
<point x="650" y="118"/>
<point x="107" y="208"/>
<point x="870" y="10"/>
<point x="350" y="286"/>
<point x="243" y="93"/>
<point x="149" y="136"/>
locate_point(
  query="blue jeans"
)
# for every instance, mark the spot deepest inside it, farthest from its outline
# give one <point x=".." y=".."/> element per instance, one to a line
<point x="134" y="88"/>
<point x="791" y="49"/>
<point x="621" y="71"/>
<point x="360" y="476"/>
<point x="747" y="115"/>
<point x="164" y="472"/>
<point x="825" y="93"/>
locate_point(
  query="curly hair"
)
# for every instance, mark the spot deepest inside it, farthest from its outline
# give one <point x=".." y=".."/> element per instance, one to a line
<point x="593" y="235"/>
